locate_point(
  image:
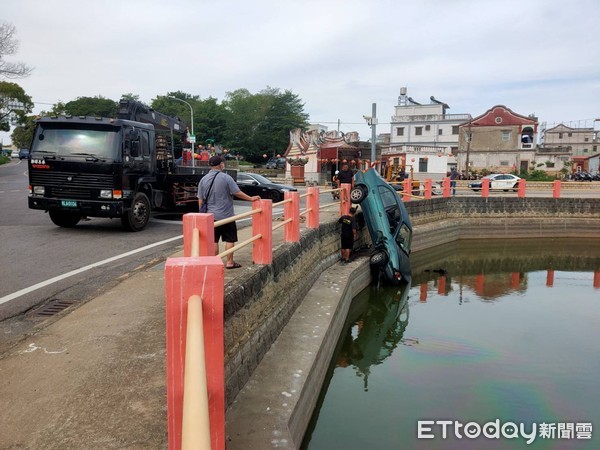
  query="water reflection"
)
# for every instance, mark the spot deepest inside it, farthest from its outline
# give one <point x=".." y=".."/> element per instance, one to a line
<point x="494" y="269"/>
<point x="374" y="329"/>
<point x="498" y="330"/>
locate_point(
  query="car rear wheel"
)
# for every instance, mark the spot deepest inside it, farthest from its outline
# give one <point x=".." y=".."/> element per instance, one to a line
<point x="276" y="196"/>
<point x="358" y="194"/>
<point x="64" y="219"/>
<point x="379" y="258"/>
<point x="137" y="217"/>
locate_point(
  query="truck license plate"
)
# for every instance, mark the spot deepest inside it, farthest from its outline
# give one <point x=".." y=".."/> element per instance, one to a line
<point x="68" y="203"/>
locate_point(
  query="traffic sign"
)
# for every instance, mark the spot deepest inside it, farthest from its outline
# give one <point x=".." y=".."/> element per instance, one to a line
<point x="192" y="138"/>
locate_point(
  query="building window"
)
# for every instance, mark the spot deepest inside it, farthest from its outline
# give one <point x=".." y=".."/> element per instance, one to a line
<point x="586" y="139"/>
<point x="570" y="135"/>
<point x="504" y="163"/>
<point x="440" y="132"/>
<point x="455" y="129"/>
<point x="549" y="164"/>
<point x="454" y="150"/>
<point x="560" y="135"/>
<point x="422" y="165"/>
<point x="418" y="131"/>
<point x="505" y="135"/>
<point x="498" y="120"/>
<point x="594" y="148"/>
<point x="585" y="150"/>
<point x="400" y="131"/>
<point x="428" y="127"/>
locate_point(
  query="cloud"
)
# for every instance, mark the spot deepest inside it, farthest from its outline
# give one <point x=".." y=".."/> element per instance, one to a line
<point x="539" y="56"/>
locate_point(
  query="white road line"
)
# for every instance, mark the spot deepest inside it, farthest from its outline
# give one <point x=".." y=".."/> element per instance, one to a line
<point x="35" y="287"/>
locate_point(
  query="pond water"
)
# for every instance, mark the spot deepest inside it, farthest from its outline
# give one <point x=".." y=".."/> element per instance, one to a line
<point x="490" y="334"/>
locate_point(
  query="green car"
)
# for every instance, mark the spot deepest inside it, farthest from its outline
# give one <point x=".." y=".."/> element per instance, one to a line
<point x="388" y="223"/>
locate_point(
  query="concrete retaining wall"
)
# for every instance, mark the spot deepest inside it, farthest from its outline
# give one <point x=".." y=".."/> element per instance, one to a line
<point x="259" y="306"/>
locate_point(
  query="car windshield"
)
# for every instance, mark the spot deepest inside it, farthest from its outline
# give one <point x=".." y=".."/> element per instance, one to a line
<point x="62" y="141"/>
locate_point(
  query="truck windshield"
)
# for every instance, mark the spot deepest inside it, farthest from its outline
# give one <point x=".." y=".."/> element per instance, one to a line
<point x="100" y="143"/>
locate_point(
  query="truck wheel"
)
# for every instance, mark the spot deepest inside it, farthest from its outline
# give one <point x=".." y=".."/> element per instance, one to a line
<point x="358" y="194"/>
<point x="136" y="218"/>
<point x="64" y="219"/>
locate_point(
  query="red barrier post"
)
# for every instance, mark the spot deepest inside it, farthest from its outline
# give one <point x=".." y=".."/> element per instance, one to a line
<point x="262" y="223"/>
<point x="291" y="230"/>
<point x="515" y="280"/>
<point x="522" y="184"/>
<point x="556" y="190"/>
<point x="312" y="204"/>
<point x="442" y="285"/>
<point x="550" y="278"/>
<point x="480" y="284"/>
<point x="345" y="199"/>
<point x="406" y="190"/>
<point x="205" y="223"/>
<point x="185" y="277"/>
<point x="485" y="187"/>
<point x="428" y="188"/>
<point x="446" y="187"/>
<point x="423" y="293"/>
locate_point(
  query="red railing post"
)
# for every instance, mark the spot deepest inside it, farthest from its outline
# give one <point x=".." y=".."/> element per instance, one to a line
<point x="312" y="204"/>
<point x="549" y="277"/>
<point x="185" y="277"/>
<point x="291" y="230"/>
<point x="522" y="185"/>
<point x="485" y="187"/>
<point x="556" y="190"/>
<point x="446" y="187"/>
<point x="345" y="199"/>
<point x="205" y="223"/>
<point x="262" y="223"/>
<point x="442" y="285"/>
<point x="406" y="189"/>
<point x="428" y="188"/>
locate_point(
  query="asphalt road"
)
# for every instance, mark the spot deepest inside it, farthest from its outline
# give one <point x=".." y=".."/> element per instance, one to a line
<point x="34" y="252"/>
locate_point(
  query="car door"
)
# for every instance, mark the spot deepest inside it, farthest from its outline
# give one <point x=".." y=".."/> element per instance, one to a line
<point x="247" y="184"/>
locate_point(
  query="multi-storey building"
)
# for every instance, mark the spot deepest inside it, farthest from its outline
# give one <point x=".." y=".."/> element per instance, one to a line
<point x="576" y="141"/>
<point x="424" y="134"/>
<point x="499" y="140"/>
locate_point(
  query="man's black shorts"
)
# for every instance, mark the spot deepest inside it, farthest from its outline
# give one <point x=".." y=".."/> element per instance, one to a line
<point x="347" y="242"/>
<point x="228" y="232"/>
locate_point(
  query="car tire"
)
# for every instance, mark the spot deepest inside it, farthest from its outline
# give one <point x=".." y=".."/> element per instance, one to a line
<point x="358" y="194"/>
<point x="64" y="219"/>
<point x="379" y="258"/>
<point x="138" y="216"/>
<point x="276" y="196"/>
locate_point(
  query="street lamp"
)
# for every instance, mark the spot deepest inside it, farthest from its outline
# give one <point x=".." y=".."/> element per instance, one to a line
<point x="192" y="122"/>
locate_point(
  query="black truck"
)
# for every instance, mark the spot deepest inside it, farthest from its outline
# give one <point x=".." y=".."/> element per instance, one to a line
<point x="119" y="167"/>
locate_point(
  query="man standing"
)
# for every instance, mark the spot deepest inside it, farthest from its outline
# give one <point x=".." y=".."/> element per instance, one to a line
<point x="346" y="176"/>
<point x="453" y="178"/>
<point x="217" y="189"/>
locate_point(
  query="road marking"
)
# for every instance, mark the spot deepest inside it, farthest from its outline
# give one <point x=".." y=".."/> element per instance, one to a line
<point x="35" y="287"/>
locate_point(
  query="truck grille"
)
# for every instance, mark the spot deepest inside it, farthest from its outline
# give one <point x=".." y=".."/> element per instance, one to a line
<point x="71" y="185"/>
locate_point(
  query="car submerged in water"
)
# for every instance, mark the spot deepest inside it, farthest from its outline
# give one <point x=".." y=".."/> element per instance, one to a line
<point x="388" y="223"/>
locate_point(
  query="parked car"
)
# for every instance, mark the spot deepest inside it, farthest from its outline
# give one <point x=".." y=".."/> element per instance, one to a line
<point x="14" y="154"/>
<point x="254" y="184"/>
<point x="24" y="153"/>
<point x="276" y="163"/>
<point x="505" y="181"/>
<point x="388" y="223"/>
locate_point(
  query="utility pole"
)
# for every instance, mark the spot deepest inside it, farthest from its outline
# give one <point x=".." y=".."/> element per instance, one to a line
<point x="372" y="121"/>
<point x="468" y="151"/>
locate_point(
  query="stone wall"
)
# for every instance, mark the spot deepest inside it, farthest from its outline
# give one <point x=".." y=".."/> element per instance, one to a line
<point x="258" y="306"/>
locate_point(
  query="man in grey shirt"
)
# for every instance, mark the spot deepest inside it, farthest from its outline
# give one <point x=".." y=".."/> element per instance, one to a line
<point x="220" y="203"/>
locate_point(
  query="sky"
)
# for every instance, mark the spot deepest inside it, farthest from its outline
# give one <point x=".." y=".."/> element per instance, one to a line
<point x="538" y="57"/>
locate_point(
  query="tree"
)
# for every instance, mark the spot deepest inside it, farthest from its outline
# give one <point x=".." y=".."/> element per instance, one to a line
<point x="15" y="104"/>
<point x="9" y="46"/>
<point x="22" y="135"/>
<point x="259" y="124"/>
<point x="92" y="106"/>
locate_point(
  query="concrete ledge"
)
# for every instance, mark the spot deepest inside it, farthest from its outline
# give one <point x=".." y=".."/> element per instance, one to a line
<point x="274" y="407"/>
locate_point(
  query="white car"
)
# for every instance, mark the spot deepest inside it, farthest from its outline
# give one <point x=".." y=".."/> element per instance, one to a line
<point x="14" y="154"/>
<point x="505" y="181"/>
